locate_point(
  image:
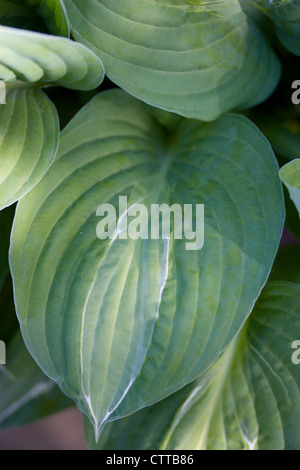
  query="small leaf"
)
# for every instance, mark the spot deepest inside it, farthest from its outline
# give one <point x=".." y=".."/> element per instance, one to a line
<point x="194" y="58"/>
<point x="290" y="175"/>
<point x="53" y="13"/>
<point x="29" y="132"/>
<point x="250" y="399"/>
<point x="33" y="57"/>
<point x="121" y="324"/>
<point x="25" y="13"/>
<point x="286" y="16"/>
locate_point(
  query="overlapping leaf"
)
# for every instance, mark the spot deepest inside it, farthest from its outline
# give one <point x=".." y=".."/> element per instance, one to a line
<point x="250" y="399"/>
<point x="32" y="57"/>
<point x="27" y="13"/>
<point x="29" y="127"/>
<point x="290" y="175"/>
<point x="194" y="58"/>
<point x="29" y="132"/>
<point x="286" y="16"/>
<point x="120" y="324"/>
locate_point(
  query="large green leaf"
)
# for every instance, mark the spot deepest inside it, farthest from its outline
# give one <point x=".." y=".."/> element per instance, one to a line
<point x="192" y="57"/>
<point x="32" y="57"/>
<point x="29" y="132"/>
<point x="286" y="16"/>
<point x="290" y="175"/>
<point x="250" y="399"/>
<point x="26" y="13"/>
<point x="121" y="324"/>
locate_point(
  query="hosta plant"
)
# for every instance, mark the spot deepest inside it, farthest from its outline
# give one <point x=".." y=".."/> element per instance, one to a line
<point x="161" y="342"/>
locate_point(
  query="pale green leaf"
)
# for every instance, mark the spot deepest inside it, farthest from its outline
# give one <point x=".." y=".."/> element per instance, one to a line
<point x="32" y="57"/>
<point x="290" y="175"/>
<point x="29" y="133"/>
<point x="250" y="399"/>
<point x="192" y="57"/>
<point x="286" y="16"/>
<point x="25" y="14"/>
<point x="121" y="324"/>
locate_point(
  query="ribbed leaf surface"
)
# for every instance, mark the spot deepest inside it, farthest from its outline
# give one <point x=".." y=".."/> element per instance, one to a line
<point x="25" y="13"/>
<point x="249" y="400"/>
<point x="192" y="57"/>
<point x="33" y="57"/>
<point x="29" y="132"/>
<point x="120" y="324"/>
<point x="286" y="16"/>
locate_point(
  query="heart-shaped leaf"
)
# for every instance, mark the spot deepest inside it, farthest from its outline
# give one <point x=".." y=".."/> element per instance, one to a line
<point x="190" y="57"/>
<point x="29" y="132"/>
<point x="250" y="399"/>
<point x="286" y="16"/>
<point x="290" y="175"/>
<point x="25" y="14"/>
<point x="33" y="57"/>
<point x="122" y="323"/>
